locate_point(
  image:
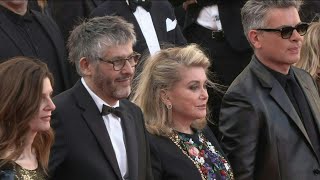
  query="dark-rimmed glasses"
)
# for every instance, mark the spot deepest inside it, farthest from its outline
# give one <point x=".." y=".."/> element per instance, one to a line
<point x="119" y="63"/>
<point x="286" y="32"/>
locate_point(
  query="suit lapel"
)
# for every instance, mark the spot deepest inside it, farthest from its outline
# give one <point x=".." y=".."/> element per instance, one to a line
<point x="56" y="38"/>
<point x="312" y="98"/>
<point x="11" y="32"/>
<point x="137" y="29"/>
<point x="129" y="129"/>
<point x="279" y="95"/>
<point x="89" y="5"/>
<point x="52" y="33"/>
<point x="312" y="101"/>
<point x="97" y="2"/>
<point x="92" y="117"/>
<point x="159" y="27"/>
<point x="121" y="8"/>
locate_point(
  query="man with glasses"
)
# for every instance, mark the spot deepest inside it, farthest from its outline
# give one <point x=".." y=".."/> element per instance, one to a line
<point x="100" y="134"/>
<point x="270" y="118"/>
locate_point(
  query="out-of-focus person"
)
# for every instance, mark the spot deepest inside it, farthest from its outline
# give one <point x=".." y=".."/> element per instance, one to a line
<point x="27" y="32"/>
<point x="216" y="26"/>
<point x="154" y="22"/>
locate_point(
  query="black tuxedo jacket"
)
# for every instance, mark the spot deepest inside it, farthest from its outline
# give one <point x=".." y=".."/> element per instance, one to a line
<point x="12" y="45"/>
<point x="263" y="135"/>
<point x="230" y="17"/>
<point x="83" y="149"/>
<point x="160" y="11"/>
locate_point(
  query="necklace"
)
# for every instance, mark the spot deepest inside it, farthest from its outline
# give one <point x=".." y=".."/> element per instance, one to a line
<point x="198" y="153"/>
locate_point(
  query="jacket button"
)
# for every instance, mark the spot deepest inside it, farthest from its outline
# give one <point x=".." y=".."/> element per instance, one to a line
<point x="316" y="171"/>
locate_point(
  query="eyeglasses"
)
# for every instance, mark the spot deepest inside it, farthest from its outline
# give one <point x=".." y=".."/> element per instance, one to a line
<point x="286" y="32"/>
<point x="119" y="63"/>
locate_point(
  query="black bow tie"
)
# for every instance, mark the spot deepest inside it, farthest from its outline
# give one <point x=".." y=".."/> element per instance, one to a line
<point x="146" y="4"/>
<point x="107" y="110"/>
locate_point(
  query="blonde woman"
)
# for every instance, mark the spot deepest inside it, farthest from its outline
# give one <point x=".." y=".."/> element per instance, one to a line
<point x="310" y="52"/>
<point x="172" y="93"/>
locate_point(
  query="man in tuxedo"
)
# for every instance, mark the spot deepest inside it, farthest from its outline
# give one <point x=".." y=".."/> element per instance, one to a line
<point x="154" y="22"/>
<point x="26" y="32"/>
<point x="99" y="133"/>
<point x="216" y="26"/>
<point x="270" y="115"/>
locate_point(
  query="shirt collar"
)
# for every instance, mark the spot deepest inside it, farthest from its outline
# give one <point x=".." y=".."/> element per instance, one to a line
<point x="99" y="102"/>
<point x="281" y="78"/>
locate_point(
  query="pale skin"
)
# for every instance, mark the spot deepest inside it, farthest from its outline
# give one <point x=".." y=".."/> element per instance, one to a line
<point x="188" y="98"/>
<point x="16" y="6"/>
<point x="28" y="159"/>
<point x="103" y="80"/>
<point x="273" y="51"/>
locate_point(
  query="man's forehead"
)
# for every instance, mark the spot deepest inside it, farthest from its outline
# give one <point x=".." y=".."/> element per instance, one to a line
<point x="118" y="51"/>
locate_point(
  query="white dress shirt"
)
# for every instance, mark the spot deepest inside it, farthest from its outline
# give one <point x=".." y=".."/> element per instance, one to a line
<point x="146" y="25"/>
<point x="209" y="18"/>
<point x="114" y="128"/>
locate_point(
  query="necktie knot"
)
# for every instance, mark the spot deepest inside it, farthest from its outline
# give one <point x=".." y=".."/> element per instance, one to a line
<point x="146" y="4"/>
<point x="107" y="110"/>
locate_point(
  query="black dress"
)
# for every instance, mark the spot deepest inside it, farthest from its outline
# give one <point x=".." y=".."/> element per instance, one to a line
<point x="184" y="156"/>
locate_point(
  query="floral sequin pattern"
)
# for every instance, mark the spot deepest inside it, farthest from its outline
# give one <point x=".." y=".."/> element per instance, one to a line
<point x="24" y="174"/>
<point x="210" y="163"/>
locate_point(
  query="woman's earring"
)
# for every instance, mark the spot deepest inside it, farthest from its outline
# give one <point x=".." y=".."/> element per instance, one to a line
<point x="169" y="115"/>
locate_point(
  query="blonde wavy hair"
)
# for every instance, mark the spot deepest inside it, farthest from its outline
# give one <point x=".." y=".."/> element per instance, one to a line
<point x="160" y="72"/>
<point x="310" y="51"/>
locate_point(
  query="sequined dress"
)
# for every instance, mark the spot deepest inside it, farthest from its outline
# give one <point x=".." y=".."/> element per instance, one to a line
<point x="13" y="171"/>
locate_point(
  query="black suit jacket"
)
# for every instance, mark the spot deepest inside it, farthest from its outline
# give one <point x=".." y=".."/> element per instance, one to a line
<point x="160" y="11"/>
<point x="263" y="136"/>
<point x="68" y="14"/>
<point x="12" y="45"/>
<point x="83" y="149"/>
<point x="230" y="17"/>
